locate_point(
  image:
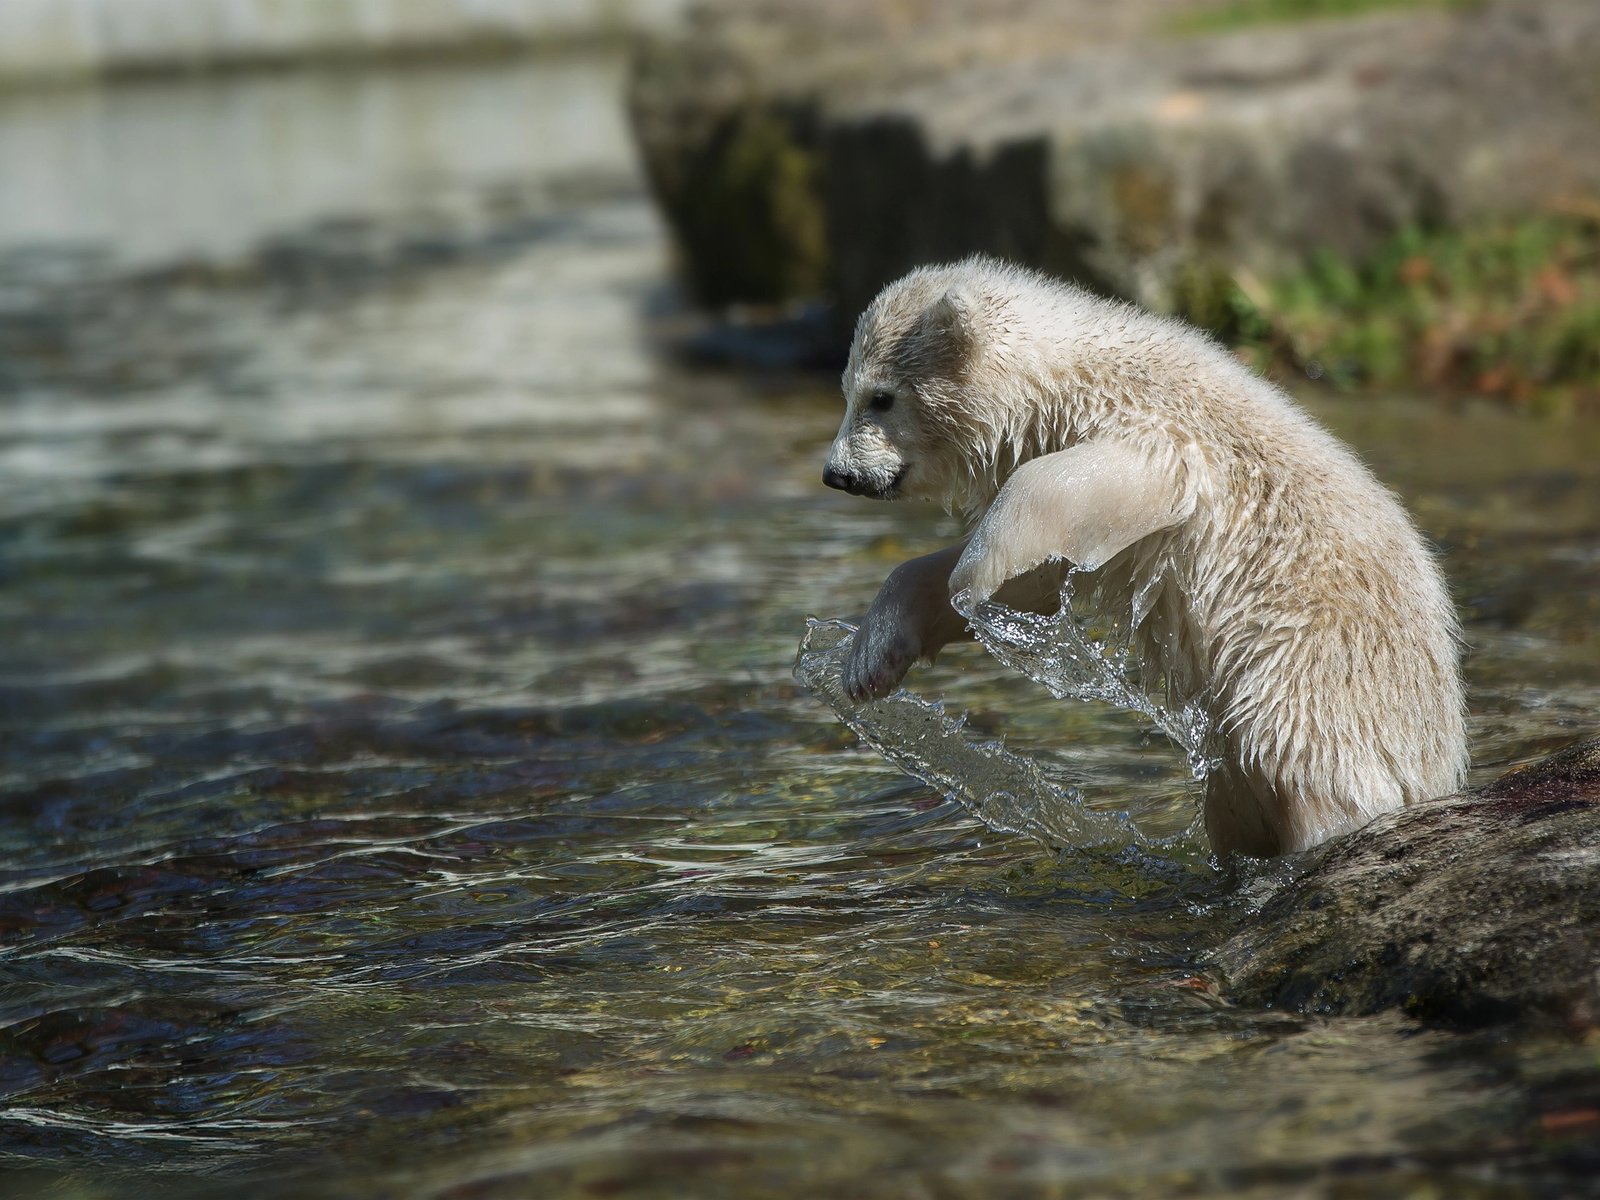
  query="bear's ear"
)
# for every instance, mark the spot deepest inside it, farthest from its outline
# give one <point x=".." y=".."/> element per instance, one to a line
<point x="950" y="326"/>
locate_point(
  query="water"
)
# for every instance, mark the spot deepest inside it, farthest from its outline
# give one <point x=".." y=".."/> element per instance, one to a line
<point x="1006" y="792"/>
<point x="1086" y="651"/>
<point x="406" y="793"/>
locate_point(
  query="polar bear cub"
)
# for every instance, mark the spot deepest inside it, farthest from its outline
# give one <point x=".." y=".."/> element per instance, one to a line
<point x="1277" y="578"/>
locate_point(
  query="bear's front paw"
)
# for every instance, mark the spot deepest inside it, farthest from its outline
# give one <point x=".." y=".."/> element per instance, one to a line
<point x="878" y="662"/>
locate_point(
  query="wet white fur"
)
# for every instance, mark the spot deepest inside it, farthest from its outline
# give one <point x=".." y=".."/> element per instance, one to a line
<point x="1273" y="573"/>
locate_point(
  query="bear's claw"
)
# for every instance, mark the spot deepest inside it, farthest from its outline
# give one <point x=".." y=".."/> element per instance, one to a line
<point x="875" y="669"/>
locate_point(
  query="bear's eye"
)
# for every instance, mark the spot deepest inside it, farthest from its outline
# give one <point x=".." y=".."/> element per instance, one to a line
<point x="881" y="401"/>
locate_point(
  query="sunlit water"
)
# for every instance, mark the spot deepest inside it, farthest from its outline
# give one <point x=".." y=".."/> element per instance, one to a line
<point x="405" y="789"/>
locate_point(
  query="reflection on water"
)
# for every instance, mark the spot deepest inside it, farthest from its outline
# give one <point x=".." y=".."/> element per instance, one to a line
<point x="405" y="791"/>
<point x="146" y="173"/>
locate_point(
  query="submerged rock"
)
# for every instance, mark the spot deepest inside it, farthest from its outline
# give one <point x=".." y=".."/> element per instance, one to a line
<point x="1469" y="910"/>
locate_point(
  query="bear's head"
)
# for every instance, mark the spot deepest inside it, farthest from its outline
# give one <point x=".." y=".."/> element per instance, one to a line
<point x="944" y="384"/>
<point x="925" y="389"/>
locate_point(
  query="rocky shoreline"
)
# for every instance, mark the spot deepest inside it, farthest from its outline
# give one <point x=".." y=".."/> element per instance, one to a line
<point x="821" y="160"/>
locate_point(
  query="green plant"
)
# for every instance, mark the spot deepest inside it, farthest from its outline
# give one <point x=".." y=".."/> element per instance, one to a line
<point x="1508" y="309"/>
<point x="1234" y="14"/>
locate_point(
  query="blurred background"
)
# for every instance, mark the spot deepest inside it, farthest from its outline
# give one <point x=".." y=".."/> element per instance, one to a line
<point x="411" y="424"/>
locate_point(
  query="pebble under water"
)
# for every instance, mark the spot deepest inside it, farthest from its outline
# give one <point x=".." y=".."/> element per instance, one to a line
<point x="404" y="787"/>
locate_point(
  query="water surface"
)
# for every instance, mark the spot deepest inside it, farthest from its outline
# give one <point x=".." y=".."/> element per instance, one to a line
<point x="405" y="791"/>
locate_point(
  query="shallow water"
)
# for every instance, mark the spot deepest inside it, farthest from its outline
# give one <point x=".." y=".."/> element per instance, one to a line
<point x="406" y="792"/>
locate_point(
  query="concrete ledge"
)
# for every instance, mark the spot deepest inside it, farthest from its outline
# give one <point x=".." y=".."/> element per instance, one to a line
<point x="55" y="39"/>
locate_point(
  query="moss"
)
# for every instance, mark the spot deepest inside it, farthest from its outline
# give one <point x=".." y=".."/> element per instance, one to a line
<point x="1143" y="199"/>
<point x="1236" y="14"/>
<point x="1208" y="295"/>
<point x="752" y="213"/>
<point x="1508" y="309"/>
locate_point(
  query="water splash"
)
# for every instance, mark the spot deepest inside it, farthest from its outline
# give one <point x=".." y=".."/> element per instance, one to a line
<point x="1079" y="656"/>
<point x="1073" y="657"/>
<point x="1004" y="790"/>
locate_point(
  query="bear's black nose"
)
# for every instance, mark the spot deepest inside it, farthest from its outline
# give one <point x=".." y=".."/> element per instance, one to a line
<point x="838" y="479"/>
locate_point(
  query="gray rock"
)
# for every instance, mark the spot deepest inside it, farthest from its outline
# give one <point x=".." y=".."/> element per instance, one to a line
<point x="734" y="116"/>
<point x="1143" y="166"/>
<point x="1465" y="911"/>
